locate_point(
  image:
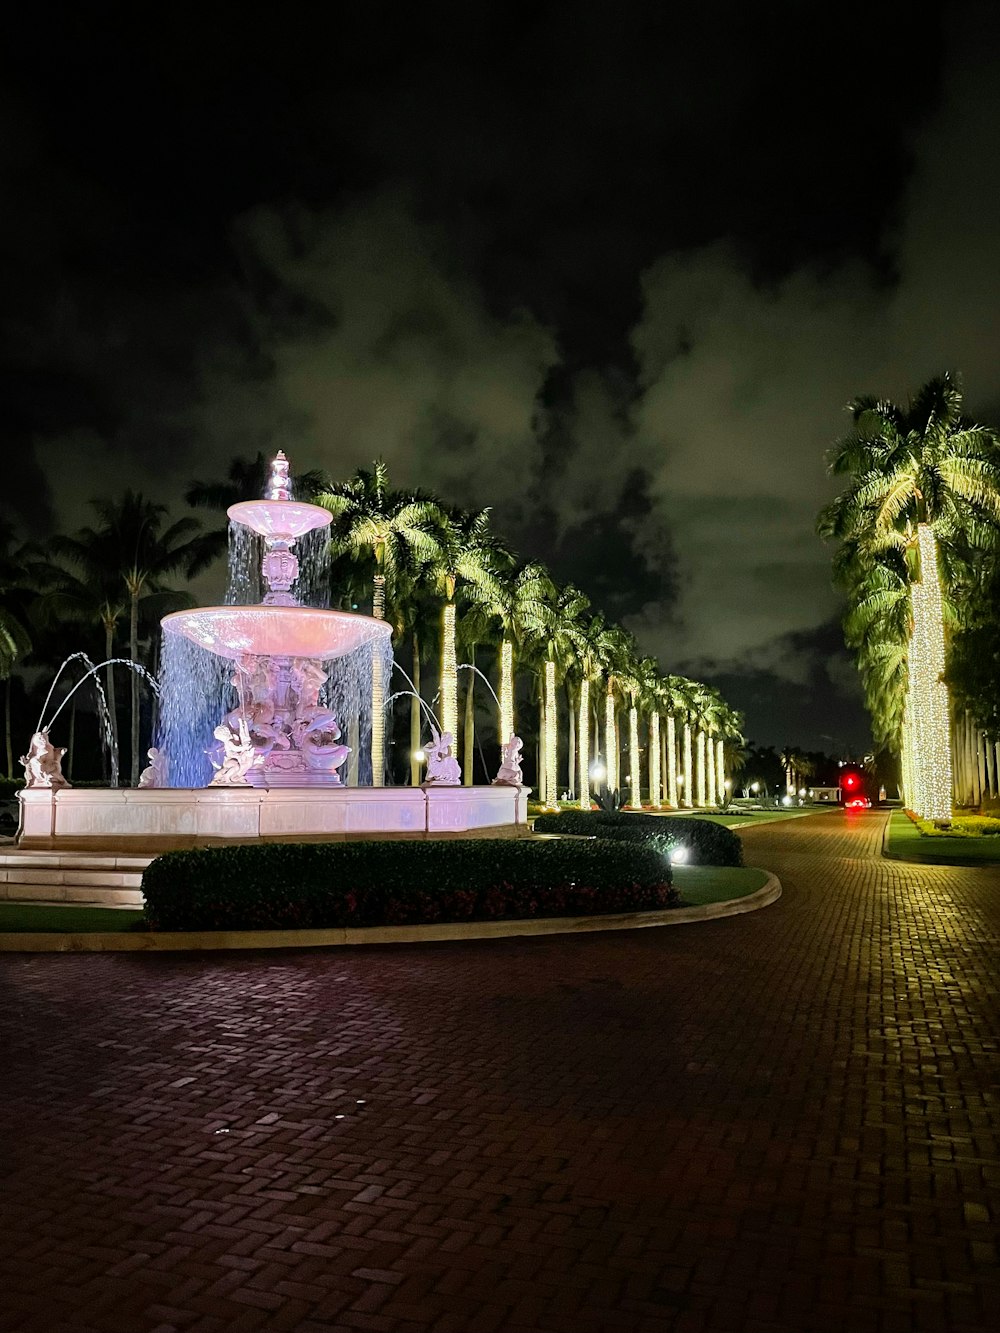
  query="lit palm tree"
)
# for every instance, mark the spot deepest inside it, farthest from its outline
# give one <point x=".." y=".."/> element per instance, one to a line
<point x="925" y="487"/>
<point x="393" y="529"/>
<point x="594" y="646"/>
<point x="517" y="606"/>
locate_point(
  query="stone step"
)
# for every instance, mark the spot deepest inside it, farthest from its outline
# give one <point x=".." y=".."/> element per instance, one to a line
<point x="65" y="894"/>
<point x="71" y="875"/>
<point x="15" y="858"/>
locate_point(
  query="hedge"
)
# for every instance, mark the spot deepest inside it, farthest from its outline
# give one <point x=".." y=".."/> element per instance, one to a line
<point x="314" y="885"/>
<point x="707" y="844"/>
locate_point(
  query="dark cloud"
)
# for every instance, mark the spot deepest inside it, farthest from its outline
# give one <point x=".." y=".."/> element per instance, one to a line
<point x="613" y="273"/>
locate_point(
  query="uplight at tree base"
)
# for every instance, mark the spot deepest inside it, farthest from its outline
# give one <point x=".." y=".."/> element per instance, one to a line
<point x="928" y="706"/>
<point x="610" y="740"/>
<point x="654" y="760"/>
<point x="635" y="774"/>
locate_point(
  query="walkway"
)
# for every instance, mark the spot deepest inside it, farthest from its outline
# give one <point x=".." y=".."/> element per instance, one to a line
<point x="779" y="1123"/>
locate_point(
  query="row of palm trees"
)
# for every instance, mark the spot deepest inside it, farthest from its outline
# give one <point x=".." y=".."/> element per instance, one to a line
<point x="418" y="549"/>
<point x="426" y="564"/>
<point x="918" y="532"/>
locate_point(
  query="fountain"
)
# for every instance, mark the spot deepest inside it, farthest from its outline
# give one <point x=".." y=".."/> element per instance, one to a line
<point x="254" y="701"/>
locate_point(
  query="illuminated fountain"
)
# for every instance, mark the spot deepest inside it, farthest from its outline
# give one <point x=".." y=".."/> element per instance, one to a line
<point x="291" y="673"/>
<point x="255" y="700"/>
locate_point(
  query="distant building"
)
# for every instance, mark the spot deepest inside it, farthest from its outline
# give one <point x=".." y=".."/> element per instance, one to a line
<point x="831" y="794"/>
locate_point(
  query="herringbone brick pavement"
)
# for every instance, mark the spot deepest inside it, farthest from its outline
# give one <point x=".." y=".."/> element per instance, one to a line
<point x="777" y="1123"/>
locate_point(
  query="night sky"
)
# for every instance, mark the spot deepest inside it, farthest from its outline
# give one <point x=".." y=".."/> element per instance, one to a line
<point x="614" y="270"/>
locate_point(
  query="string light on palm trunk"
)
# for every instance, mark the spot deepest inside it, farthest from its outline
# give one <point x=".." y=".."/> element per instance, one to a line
<point x="635" y="775"/>
<point x="449" y="674"/>
<point x="506" y="690"/>
<point x="378" y="691"/>
<point x="551" y="732"/>
<point x="930" y="711"/>
<point x="583" y="743"/>
<point x="699" y="774"/>
<point x="654" y="760"/>
<point x="610" y="740"/>
<point x="672" y="760"/>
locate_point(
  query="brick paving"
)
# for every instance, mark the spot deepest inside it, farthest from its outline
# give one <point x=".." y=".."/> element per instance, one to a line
<point x="777" y="1123"/>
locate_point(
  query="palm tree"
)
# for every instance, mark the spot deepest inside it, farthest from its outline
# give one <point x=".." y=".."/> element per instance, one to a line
<point x="467" y="551"/>
<point x="517" y="606"/>
<point x="562" y="637"/>
<point x="619" y="674"/>
<point x="925" y="486"/>
<point x="395" y="530"/>
<point x="594" y="643"/>
<point x="15" y="635"/>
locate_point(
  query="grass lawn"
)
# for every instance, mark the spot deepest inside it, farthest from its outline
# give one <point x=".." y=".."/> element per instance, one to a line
<point x="906" y="843"/>
<point x="699" y="885"/>
<point x="32" y="916"/>
<point x="739" y="818"/>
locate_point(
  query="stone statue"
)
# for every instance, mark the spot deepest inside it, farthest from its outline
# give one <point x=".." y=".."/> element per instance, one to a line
<point x="239" y="754"/>
<point x="510" y="764"/>
<point x="43" y="762"/>
<point x="442" y="766"/>
<point x="155" y="775"/>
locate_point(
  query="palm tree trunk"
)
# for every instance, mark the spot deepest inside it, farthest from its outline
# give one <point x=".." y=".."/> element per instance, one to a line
<point x="687" y="797"/>
<point x="506" y="691"/>
<point x="449" y="675"/>
<point x="415" y="715"/>
<point x="6" y="725"/>
<point x="378" y="689"/>
<point x="71" y="743"/>
<point x="610" y="740"/>
<point x="584" y="746"/>
<point x="551" y="735"/>
<point x="653" y="757"/>
<point x="133" y="648"/>
<point x="672" y="760"/>
<point x="571" y="730"/>
<point x="540" y="771"/>
<point x="112" y="701"/>
<point x="991" y="770"/>
<point x="469" y="730"/>
<point x="635" y="769"/>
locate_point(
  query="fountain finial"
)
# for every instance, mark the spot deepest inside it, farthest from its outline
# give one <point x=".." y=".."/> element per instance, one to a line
<point x="279" y="486"/>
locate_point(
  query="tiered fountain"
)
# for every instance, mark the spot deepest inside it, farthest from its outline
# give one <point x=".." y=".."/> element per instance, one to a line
<point x="250" y="740"/>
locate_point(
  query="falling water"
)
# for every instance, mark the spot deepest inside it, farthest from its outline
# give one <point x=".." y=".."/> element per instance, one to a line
<point x="196" y="692"/>
<point x="246" y="551"/>
<point x="312" y="587"/>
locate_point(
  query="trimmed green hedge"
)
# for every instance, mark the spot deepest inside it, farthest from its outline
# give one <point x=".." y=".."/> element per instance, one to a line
<point x="707" y="844"/>
<point x="314" y="885"/>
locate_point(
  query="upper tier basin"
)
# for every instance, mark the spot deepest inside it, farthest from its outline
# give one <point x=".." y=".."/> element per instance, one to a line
<point x="279" y="518"/>
<point x="275" y="631"/>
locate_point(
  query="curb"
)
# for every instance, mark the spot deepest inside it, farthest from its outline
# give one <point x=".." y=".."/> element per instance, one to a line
<point x="339" y="937"/>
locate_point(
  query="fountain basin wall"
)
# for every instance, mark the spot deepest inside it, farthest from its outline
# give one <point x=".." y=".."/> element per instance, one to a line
<point x="159" y="819"/>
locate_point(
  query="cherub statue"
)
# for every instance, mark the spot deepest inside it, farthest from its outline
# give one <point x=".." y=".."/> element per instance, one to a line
<point x="442" y="766"/>
<point x="43" y="762"/>
<point x="510" y="764"/>
<point x="239" y="754"/>
<point x="155" y="775"/>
